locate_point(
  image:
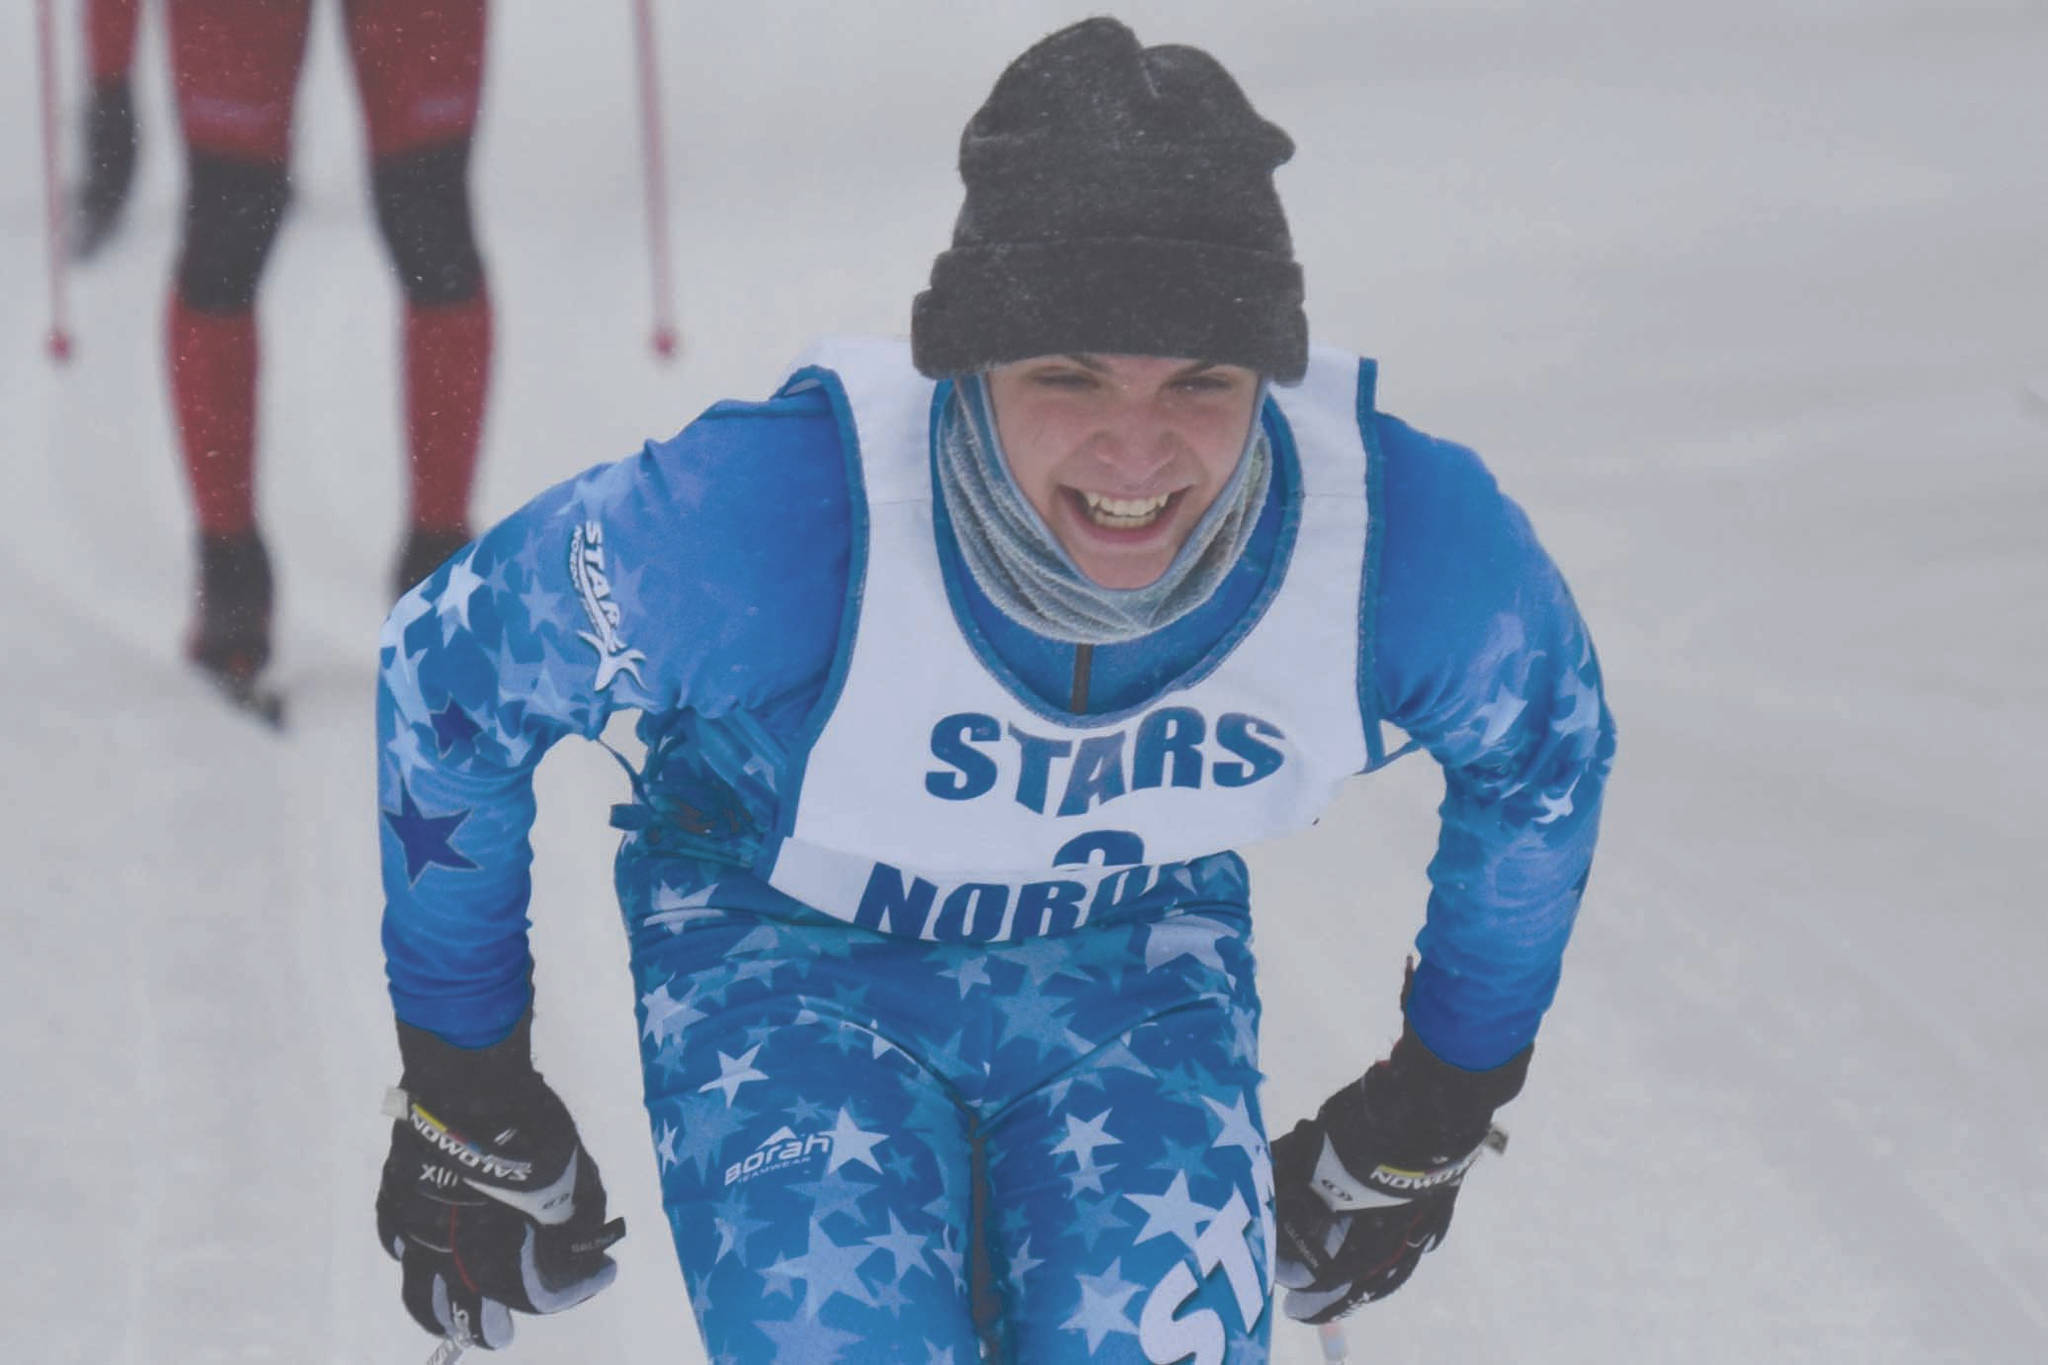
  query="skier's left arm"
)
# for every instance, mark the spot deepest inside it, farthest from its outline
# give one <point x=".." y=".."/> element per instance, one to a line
<point x="1480" y="655"/>
<point x="1482" y="658"/>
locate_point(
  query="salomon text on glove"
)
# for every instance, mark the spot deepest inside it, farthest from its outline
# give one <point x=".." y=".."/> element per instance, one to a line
<point x="489" y="1201"/>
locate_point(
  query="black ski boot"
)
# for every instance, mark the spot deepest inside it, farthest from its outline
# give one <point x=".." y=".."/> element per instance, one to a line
<point x="109" y="167"/>
<point x="230" y="635"/>
<point x="425" y="550"/>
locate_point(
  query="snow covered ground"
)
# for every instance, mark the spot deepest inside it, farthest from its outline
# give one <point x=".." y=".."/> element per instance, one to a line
<point x="1742" y="301"/>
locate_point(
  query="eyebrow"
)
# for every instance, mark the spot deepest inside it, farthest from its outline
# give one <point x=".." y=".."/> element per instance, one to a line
<point x="1089" y="362"/>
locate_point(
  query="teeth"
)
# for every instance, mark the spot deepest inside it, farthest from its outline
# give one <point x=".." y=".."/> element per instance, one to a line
<point x="1123" y="514"/>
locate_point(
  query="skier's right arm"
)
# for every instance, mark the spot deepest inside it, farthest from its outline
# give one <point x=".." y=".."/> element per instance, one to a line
<point x="481" y="671"/>
<point x="708" y="571"/>
<point x="488" y="1200"/>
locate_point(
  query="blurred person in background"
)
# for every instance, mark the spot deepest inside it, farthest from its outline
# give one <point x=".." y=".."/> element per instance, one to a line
<point x="961" y="667"/>
<point x="235" y="66"/>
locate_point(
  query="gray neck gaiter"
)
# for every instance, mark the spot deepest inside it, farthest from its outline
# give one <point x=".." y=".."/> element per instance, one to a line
<point x="1027" y="573"/>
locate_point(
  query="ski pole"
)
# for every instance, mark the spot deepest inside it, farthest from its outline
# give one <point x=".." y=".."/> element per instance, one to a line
<point x="448" y="1352"/>
<point x="53" y="200"/>
<point x="654" y="163"/>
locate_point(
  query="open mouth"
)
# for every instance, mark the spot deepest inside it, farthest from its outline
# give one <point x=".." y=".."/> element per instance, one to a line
<point x="1122" y="514"/>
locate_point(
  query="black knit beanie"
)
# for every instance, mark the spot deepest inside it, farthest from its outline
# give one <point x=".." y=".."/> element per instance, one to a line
<point x="1119" y="201"/>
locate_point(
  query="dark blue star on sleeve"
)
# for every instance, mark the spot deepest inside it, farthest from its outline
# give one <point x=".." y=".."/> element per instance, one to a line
<point x="452" y="726"/>
<point x="425" y="837"/>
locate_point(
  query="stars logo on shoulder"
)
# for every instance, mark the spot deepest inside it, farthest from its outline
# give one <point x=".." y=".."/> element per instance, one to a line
<point x="594" y="590"/>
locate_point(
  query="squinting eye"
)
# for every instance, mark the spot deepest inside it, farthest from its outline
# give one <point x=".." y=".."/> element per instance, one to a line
<point x="1063" y="379"/>
<point x="1207" y="383"/>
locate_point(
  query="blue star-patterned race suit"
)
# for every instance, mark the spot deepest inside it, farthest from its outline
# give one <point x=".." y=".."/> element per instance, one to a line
<point x="837" y="1109"/>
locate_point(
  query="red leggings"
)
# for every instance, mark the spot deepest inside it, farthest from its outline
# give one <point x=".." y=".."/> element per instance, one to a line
<point x="109" y="39"/>
<point x="418" y="67"/>
<point x="419" y="70"/>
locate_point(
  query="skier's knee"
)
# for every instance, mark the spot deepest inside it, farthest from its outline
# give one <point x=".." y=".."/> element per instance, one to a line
<point x="423" y="211"/>
<point x="232" y="212"/>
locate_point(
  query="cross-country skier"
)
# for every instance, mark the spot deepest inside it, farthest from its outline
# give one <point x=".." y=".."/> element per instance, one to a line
<point x="961" y="666"/>
<point x="419" y="70"/>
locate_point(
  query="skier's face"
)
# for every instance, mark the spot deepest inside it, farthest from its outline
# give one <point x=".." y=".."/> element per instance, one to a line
<point x="1122" y="454"/>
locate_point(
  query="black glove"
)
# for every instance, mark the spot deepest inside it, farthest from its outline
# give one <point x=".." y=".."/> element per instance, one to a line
<point x="489" y="1200"/>
<point x="1366" y="1186"/>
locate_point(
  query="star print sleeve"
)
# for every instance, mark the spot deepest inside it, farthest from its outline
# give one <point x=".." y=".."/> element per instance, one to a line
<point x="1482" y="658"/>
<point x="519" y="640"/>
<point x="703" y="573"/>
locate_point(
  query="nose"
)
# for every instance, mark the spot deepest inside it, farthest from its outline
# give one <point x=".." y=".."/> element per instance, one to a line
<point x="1134" y="446"/>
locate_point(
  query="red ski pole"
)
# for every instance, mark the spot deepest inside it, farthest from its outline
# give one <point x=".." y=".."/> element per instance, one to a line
<point x="655" y="164"/>
<point x="53" y="198"/>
